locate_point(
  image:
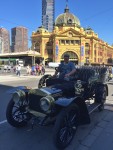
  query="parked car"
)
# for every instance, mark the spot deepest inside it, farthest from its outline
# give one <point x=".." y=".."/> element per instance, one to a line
<point x="64" y="105"/>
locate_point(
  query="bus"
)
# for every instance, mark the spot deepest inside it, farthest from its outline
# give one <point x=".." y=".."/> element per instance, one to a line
<point x="11" y="61"/>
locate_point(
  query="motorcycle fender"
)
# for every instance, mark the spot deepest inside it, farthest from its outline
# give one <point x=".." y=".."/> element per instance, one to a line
<point x="13" y="90"/>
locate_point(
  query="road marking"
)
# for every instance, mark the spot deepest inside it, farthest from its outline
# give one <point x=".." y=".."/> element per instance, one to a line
<point x="2" y="122"/>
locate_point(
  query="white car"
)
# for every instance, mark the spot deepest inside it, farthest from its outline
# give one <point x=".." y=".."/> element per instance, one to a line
<point x="53" y="64"/>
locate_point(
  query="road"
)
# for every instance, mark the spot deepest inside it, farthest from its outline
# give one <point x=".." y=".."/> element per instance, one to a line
<point x="40" y="138"/>
<point x="10" y="80"/>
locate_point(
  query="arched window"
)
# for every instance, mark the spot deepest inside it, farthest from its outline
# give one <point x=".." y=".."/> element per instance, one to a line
<point x="69" y="21"/>
<point x="72" y="55"/>
<point x="87" y="48"/>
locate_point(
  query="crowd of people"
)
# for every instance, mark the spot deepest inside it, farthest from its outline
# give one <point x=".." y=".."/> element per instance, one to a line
<point x="37" y="69"/>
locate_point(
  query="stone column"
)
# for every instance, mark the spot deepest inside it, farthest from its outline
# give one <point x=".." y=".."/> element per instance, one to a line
<point x="92" y="52"/>
<point x="96" y="52"/>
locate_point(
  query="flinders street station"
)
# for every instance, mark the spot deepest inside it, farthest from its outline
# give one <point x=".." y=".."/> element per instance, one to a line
<point x="82" y="44"/>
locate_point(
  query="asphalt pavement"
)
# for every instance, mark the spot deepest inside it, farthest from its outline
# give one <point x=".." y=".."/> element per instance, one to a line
<point x="11" y="76"/>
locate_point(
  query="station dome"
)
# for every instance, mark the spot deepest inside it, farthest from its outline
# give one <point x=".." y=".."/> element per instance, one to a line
<point x="67" y="18"/>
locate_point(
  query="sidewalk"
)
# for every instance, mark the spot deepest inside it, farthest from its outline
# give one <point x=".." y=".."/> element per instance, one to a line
<point x="101" y="136"/>
<point x="98" y="135"/>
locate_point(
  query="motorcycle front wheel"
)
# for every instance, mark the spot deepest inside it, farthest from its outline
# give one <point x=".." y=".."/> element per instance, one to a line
<point x="16" y="114"/>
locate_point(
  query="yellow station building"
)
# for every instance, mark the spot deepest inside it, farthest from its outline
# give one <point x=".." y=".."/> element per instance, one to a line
<point x="83" y="45"/>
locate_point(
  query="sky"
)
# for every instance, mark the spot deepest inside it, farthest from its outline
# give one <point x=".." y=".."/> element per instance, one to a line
<point x="97" y="14"/>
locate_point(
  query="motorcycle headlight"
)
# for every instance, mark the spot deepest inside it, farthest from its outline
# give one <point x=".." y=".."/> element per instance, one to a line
<point x="46" y="103"/>
<point x="18" y="95"/>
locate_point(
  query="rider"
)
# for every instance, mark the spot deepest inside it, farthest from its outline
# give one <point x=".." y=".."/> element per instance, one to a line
<point x="66" y="71"/>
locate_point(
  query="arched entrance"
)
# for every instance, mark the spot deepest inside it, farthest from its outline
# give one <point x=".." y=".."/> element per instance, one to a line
<point x="73" y="57"/>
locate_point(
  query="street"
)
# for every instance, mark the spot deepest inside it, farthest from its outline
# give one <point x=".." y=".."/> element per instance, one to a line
<point x="10" y="80"/>
<point x="41" y="138"/>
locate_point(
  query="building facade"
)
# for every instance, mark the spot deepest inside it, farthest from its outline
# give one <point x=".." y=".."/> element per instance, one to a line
<point x="4" y="41"/>
<point x="1" y="45"/>
<point x="19" y="39"/>
<point x="48" y="13"/>
<point x="82" y="44"/>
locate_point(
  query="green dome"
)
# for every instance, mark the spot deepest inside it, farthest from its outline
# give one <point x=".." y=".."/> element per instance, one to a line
<point x="67" y="18"/>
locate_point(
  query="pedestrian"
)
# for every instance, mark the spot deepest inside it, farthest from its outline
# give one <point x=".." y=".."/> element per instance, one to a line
<point x="112" y="70"/>
<point x="37" y="67"/>
<point x="28" y="69"/>
<point x="33" y="70"/>
<point x="14" y="68"/>
<point x="18" y="69"/>
<point x="5" y="68"/>
<point x="40" y="69"/>
<point x="8" y="68"/>
<point x="43" y="70"/>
